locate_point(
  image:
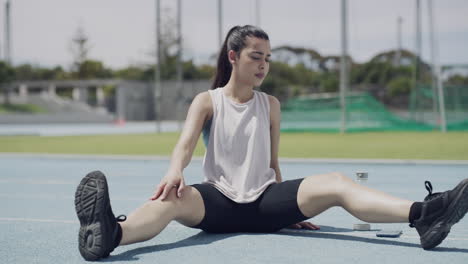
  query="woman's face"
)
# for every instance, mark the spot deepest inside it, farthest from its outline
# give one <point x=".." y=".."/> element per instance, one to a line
<point x="254" y="61"/>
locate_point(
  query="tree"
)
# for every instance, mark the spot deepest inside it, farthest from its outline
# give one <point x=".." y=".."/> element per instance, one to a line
<point x="279" y="79"/>
<point x="6" y="76"/>
<point x="83" y="67"/>
<point x="399" y="86"/>
<point x="25" y="72"/>
<point x="28" y="72"/>
<point x="329" y="83"/>
<point x="132" y="73"/>
<point x="168" y="47"/>
<point x="90" y="69"/>
<point x="80" y="49"/>
<point x="457" y="79"/>
<point x="57" y="73"/>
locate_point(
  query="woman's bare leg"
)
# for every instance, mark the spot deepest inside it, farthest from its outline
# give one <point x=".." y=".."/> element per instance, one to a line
<point x="318" y="193"/>
<point x="152" y="217"/>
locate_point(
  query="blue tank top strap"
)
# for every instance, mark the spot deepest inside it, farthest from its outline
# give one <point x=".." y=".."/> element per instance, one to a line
<point x="206" y="132"/>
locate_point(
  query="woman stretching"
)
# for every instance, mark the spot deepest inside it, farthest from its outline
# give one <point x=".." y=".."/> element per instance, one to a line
<point x="242" y="189"/>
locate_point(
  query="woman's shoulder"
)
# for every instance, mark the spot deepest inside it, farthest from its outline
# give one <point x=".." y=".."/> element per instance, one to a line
<point x="271" y="99"/>
<point x="203" y="102"/>
<point x="274" y="102"/>
<point x="205" y="96"/>
<point x="275" y="109"/>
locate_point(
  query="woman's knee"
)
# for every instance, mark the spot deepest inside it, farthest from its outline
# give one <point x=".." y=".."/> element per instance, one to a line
<point x="188" y="208"/>
<point x="333" y="178"/>
<point x="339" y="178"/>
<point x="170" y="205"/>
<point x="320" y="192"/>
<point x="330" y="184"/>
<point x="191" y="208"/>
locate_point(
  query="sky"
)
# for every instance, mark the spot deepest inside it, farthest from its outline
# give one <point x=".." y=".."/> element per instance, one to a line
<point x="122" y="32"/>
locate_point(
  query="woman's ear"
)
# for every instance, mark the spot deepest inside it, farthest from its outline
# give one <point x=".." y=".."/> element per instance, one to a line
<point x="232" y="55"/>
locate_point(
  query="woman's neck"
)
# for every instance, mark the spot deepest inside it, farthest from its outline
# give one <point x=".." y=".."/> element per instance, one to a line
<point x="237" y="92"/>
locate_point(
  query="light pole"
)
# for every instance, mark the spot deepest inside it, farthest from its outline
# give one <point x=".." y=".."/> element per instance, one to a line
<point x="257" y="13"/>
<point x="343" y="65"/>
<point x="220" y="22"/>
<point x="7" y="32"/>
<point x="436" y="79"/>
<point x="398" y="51"/>
<point x="157" y="67"/>
<point x="179" y="62"/>
<point x="7" y="48"/>
<point x="417" y="53"/>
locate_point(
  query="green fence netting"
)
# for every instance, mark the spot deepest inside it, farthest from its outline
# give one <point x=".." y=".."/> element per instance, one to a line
<point x="322" y="113"/>
<point x="424" y="106"/>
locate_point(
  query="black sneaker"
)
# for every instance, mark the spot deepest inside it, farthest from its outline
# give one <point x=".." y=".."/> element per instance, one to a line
<point x="98" y="225"/>
<point x="433" y="227"/>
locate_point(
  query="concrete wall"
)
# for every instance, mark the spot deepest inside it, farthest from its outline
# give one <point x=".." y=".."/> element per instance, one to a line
<point x="136" y="100"/>
<point x="175" y="104"/>
<point x="133" y="101"/>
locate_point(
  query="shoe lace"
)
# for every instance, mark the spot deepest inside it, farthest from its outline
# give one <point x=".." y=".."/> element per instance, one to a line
<point x="431" y="195"/>
<point x="121" y="218"/>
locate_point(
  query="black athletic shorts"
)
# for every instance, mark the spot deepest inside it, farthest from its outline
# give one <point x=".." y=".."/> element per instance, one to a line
<point x="275" y="209"/>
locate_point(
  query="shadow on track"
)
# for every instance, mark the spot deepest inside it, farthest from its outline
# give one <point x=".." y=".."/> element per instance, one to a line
<point x="203" y="238"/>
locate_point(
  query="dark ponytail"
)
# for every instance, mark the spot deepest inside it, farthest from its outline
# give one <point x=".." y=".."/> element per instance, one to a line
<point x="235" y="40"/>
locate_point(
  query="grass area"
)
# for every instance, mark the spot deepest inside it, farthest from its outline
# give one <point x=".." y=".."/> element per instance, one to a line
<point x="395" y="145"/>
<point x="21" y="108"/>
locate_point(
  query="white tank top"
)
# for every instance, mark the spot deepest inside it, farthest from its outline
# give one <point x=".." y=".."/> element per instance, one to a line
<point x="237" y="157"/>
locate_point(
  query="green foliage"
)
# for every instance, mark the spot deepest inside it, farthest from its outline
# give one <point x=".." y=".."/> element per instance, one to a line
<point x="277" y="81"/>
<point x="275" y="85"/>
<point x="283" y="81"/>
<point x="90" y="69"/>
<point x="399" y="86"/>
<point x="131" y="73"/>
<point x="168" y="71"/>
<point x="28" y="72"/>
<point x="329" y="83"/>
<point x="304" y="76"/>
<point x="7" y="74"/>
<point x="109" y="89"/>
<point x="457" y="79"/>
<point x="192" y="72"/>
<point x="405" y="71"/>
<point x="375" y="72"/>
<point x="21" y="108"/>
<point x="207" y="71"/>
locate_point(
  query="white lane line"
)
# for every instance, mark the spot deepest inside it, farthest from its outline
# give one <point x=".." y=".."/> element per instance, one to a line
<point x="37" y="181"/>
<point x="367" y="235"/>
<point x="36" y="220"/>
<point x="58" y="221"/>
<point x="200" y="158"/>
<point x="57" y="197"/>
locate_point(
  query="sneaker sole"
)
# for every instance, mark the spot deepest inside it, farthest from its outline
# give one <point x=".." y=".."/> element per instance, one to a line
<point x="91" y="201"/>
<point x="438" y="231"/>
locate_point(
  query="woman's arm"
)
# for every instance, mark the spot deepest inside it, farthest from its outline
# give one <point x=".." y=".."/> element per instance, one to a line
<point x="275" y="119"/>
<point x="196" y="117"/>
<point x="199" y="111"/>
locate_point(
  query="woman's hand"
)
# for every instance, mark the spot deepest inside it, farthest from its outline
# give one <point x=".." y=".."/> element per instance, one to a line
<point x="304" y="225"/>
<point x="173" y="179"/>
